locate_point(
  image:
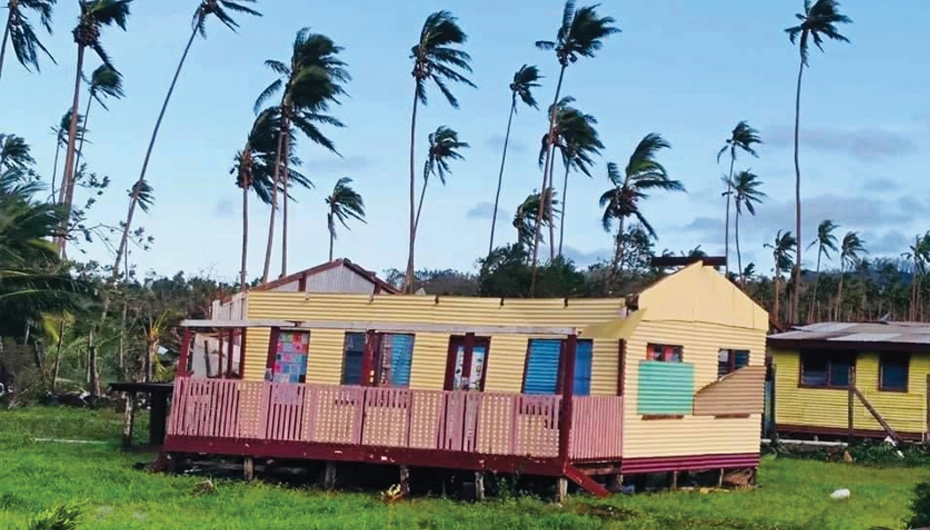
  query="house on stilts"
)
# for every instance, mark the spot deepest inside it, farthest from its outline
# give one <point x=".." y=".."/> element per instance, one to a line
<point x="582" y="390"/>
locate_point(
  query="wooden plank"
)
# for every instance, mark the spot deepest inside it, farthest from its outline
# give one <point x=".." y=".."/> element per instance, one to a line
<point x="878" y="417"/>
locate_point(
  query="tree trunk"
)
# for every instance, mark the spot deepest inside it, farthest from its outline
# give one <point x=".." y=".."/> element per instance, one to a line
<point x="80" y="149"/>
<point x="276" y="178"/>
<point x="411" y="239"/>
<point x="151" y="350"/>
<point x="500" y="176"/>
<point x="121" y="352"/>
<point x="726" y="230"/>
<point x="285" y="193"/>
<point x="810" y="313"/>
<point x="562" y="220"/>
<point x="55" y="168"/>
<point x="537" y="229"/>
<point x="839" y="292"/>
<point x="93" y="378"/>
<point x="416" y="219"/>
<point x="739" y="256"/>
<point x="245" y="237"/>
<point x="797" y="195"/>
<point x="67" y="178"/>
<point x="618" y="251"/>
<point x="61" y="338"/>
<point x="775" y="283"/>
<point x="148" y="155"/>
<point x="332" y="234"/>
<point x="6" y="37"/>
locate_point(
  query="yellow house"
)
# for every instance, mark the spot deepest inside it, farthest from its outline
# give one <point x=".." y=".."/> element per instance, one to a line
<point x="886" y="364"/>
<point x="665" y="381"/>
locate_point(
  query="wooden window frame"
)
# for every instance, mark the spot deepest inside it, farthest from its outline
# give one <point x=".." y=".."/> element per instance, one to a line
<point x="560" y="371"/>
<point x="651" y="345"/>
<point x="468" y="342"/>
<point x="377" y="358"/>
<point x="273" y="350"/>
<point x="345" y="354"/>
<point x="731" y="361"/>
<point x="829" y="358"/>
<point x="226" y="344"/>
<point x="881" y="372"/>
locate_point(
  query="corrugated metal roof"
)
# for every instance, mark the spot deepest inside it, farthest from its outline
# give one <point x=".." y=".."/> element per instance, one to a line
<point x="884" y="332"/>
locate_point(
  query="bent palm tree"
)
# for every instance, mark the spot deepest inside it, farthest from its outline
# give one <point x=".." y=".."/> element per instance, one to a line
<point x="344" y="203"/>
<point x="524" y="81"/>
<point x="437" y="58"/>
<point x="221" y="10"/>
<point x="817" y="21"/>
<point x="825" y="242"/>
<point x="95" y="14"/>
<point x="524" y="219"/>
<point x="19" y="32"/>
<point x="643" y="173"/>
<point x="850" y="249"/>
<point x="15" y="154"/>
<point x="742" y="138"/>
<point x="61" y="141"/>
<point x="578" y="141"/>
<point x="746" y="194"/>
<point x="105" y="82"/>
<point x="581" y="34"/>
<point x="782" y="252"/>
<point x="311" y="81"/>
<point x="444" y="146"/>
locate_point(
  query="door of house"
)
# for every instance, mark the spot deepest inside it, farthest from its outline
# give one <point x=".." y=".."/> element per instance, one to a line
<point x="473" y="377"/>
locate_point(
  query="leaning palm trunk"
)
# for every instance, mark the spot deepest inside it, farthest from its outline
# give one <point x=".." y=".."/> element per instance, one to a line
<point x="332" y="234"/>
<point x="776" y="286"/>
<point x="6" y="37"/>
<point x="276" y="177"/>
<point x="726" y="230"/>
<point x="542" y="189"/>
<point x="618" y="251"/>
<point x="411" y="240"/>
<point x="839" y="293"/>
<point x="810" y="312"/>
<point x="500" y="176"/>
<point x="67" y="178"/>
<point x="55" y="168"/>
<point x="245" y="236"/>
<point x="80" y="148"/>
<point x="136" y="190"/>
<point x="797" y="195"/>
<point x="562" y="221"/>
<point x="286" y="197"/>
<point x="739" y="257"/>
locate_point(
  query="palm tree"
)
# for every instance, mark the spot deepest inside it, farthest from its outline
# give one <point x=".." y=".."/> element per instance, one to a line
<point x="311" y="81"/>
<point x="524" y="81"/>
<point x="642" y="174"/>
<point x="524" y="219"/>
<point x="825" y="242"/>
<point x="105" y="82"/>
<point x="344" y="203"/>
<point x="746" y="194"/>
<point x="919" y="254"/>
<point x="19" y="32"/>
<point x="577" y="140"/>
<point x="15" y="154"/>
<point x="444" y="146"/>
<point x="742" y="138"/>
<point x="221" y="10"/>
<point x="819" y="20"/>
<point x="437" y="58"/>
<point x="580" y="34"/>
<point x="782" y="251"/>
<point x="94" y="15"/>
<point x="850" y="249"/>
<point x="61" y="141"/>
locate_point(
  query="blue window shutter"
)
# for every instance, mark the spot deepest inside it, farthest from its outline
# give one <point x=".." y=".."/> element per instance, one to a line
<point x="401" y="359"/>
<point x="583" y="355"/>
<point x="352" y="360"/>
<point x="542" y="366"/>
<point x="741" y="360"/>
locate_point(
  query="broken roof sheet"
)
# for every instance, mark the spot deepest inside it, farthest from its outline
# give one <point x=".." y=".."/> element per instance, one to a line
<point x="886" y="333"/>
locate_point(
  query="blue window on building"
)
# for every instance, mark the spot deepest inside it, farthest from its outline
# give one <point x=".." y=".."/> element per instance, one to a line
<point x="729" y="361"/>
<point x="395" y="356"/>
<point x="826" y="369"/>
<point x="542" y="367"/>
<point x="894" y="369"/>
<point x="354" y="351"/>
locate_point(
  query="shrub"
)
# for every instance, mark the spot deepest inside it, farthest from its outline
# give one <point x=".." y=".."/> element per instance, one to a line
<point x="61" y="517"/>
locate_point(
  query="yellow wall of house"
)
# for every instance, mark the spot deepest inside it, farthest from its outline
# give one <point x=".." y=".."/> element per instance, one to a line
<point x="507" y="353"/>
<point x="904" y="412"/>
<point x="689" y="435"/>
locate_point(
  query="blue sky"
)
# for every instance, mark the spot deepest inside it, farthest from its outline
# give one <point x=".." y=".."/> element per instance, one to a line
<point x="688" y="70"/>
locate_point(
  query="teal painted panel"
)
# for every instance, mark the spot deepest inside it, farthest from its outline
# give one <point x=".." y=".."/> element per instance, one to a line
<point x="665" y="388"/>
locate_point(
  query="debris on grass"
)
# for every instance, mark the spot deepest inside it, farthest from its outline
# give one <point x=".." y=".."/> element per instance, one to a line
<point x="60" y="517"/>
<point x="204" y="487"/>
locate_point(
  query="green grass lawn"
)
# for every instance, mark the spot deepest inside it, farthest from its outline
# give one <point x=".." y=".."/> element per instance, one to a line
<point x="793" y="494"/>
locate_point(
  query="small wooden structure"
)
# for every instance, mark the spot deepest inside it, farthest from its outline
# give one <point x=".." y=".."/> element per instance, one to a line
<point x="572" y="389"/>
<point x="842" y="379"/>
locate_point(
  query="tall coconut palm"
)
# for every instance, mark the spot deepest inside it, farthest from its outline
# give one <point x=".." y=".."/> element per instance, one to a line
<point x="524" y="81"/>
<point x="818" y="20"/>
<point x="851" y="248"/>
<point x="643" y="174"/>
<point x="581" y="34"/>
<point x="222" y="10"/>
<point x="309" y="84"/>
<point x="746" y="195"/>
<point x="826" y="243"/>
<point x="444" y="146"/>
<point x="578" y="142"/>
<point x="343" y="204"/>
<point x="919" y="255"/>
<point x="437" y="58"/>
<point x="104" y="83"/>
<point x="524" y="219"/>
<point x="19" y="32"/>
<point x="782" y="253"/>
<point x="15" y="154"/>
<point x="61" y="141"/>
<point x="742" y="138"/>
<point x="95" y="14"/>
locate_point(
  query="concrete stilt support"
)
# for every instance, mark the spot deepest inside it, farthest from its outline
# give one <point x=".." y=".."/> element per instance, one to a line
<point x="329" y="476"/>
<point x="562" y="490"/>
<point x="479" y="486"/>
<point x="616" y="482"/>
<point x="404" y="480"/>
<point x="720" y="478"/>
<point x="248" y="469"/>
<point x="674" y="480"/>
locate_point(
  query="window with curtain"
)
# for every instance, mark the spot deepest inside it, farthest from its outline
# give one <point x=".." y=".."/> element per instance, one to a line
<point x="894" y="369"/>
<point x="729" y="361"/>
<point x="824" y="369"/>
<point x="353" y="353"/>
<point x="664" y="353"/>
<point x="393" y="359"/>
<point x="541" y="376"/>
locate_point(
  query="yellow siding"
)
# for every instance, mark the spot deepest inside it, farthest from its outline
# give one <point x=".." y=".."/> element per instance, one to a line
<point x="691" y="435"/>
<point x="905" y="412"/>
<point x="507" y="354"/>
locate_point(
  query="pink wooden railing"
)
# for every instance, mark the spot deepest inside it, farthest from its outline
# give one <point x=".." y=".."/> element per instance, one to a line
<point x="473" y="422"/>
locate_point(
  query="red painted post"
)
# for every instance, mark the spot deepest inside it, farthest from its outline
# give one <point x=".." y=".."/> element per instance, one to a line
<point x="272" y="351"/>
<point x="367" y="358"/>
<point x="219" y="353"/>
<point x="185" y="352"/>
<point x="568" y="391"/>
<point x="229" y="353"/>
<point x="242" y="354"/>
<point x="467" y="361"/>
